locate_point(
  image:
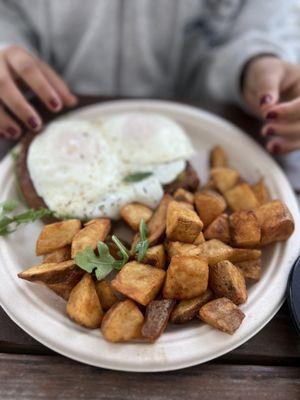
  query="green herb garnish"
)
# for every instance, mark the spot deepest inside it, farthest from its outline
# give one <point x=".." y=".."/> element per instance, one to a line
<point x="137" y="177"/>
<point x="9" y="222"/>
<point x="143" y="244"/>
<point x="104" y="263"/>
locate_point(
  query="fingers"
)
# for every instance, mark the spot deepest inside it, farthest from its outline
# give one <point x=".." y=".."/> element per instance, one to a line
<point x="290" y="131"/>
<point x="285" y="112"/>
<point x="16" y="102"/>
<point x="283" y="145"/>
<point x="59" y="85"/>
<point x="8" y="127"/>
<point x="28" y="70"/>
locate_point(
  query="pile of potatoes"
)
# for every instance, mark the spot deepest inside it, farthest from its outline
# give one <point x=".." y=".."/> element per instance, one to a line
<point x="204" y="247"/>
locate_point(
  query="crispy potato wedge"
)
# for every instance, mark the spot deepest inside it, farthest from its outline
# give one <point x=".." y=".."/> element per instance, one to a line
<point x="184" y="195"/>
<point x="241" y="255"/>
<point x="157" y="223"/>
<point x="186" y="310"/>
<point x="218" y="229"/>
<point x="276" y="222"/>
<point x="250" y="269"/>
<point x="133" y="213"/>
<point x="155" y="256"/>
<point x="56" y="235"/>
<point x="226" y="280"/>
<point x="261" y="192"/>
<point x="122" y="322"/>
<point x="245" y="229"/>
<point x="214" y="251"/>
<point x="183" y="224"/>
<point x="218" y="157"/>
<point x="224" y="178"/>
<point x="59" y="255"/>
<point x="156" y="318"/>
<point x="222" y="314"/>
<point x="178" y="248"/>
<point x="209" y="205"/>
<point x="106" y="295"/>
<point x="138" y="281"/>
<point x="187" y="277"/>
<point x="199" y="239"/>
<point x="48" y="272"/>
<point x="241" y="198"/>
<point x="93" y="231"/>
<point x="83" y="305"/>
<point x="209" y="185"/>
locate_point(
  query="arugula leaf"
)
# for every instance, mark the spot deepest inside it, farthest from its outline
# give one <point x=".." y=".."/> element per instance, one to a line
<point x="105" y="262"/>
<point x="143" y="244"/>
<point x="8" y="223"/>
<point x="137" y="177"/>
<point x="124" y="253"/>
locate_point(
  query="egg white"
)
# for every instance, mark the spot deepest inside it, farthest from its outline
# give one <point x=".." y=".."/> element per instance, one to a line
<point x="78" y="167"/>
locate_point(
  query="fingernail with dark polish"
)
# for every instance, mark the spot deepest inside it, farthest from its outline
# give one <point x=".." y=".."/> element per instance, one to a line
<point x="272" y="115"/>
<point x="12" y="132"/>
<point x="32" y="122"/>
<point x="266" y="99"/>
<point x="276" y="149"/>
<point x="54" y="103"/>
<point x="270" y="132"/>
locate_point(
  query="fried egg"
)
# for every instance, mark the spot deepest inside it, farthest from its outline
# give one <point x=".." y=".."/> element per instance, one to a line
<point x="80" y="167"/>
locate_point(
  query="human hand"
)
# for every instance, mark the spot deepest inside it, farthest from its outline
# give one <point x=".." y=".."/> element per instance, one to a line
<point x="271" y="89"/>
<point x="18" y="65"/>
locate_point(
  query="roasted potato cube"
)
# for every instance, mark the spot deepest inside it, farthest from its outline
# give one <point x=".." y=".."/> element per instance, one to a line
<point x="178" y="248"/>
<point x="199" y="239"/>
<point x="209" y="205"/>
<point x="214" y="251"/>
<point x="106" y="295"/>
<point x="186" y="310"/>
<point x="189" y="206"/>
<point x="122" y="322"/>
<point x="59" y="255"/>
<point x="261" y="192"/>
<point x="184" y="195"/>
<point x="187" y="277"/>
<point x="241" y="255"/>
<point x="83" y="305"/>
<point x="241" y="198"/>
<point x="244" y="228"/>
<point x="155" y="256"/>
<point x="138" y="281"/>
<point x="224" y="178"/>
<point x="250" y="269"/>
<point x="276" y="222"/>
<point x="218" y="157"/>
<point x="222" y="314"/>
<point x="183" y="224"/>
<point x="218" y="229"/>
<point x="94" y="231"/>
<point x="157" y="223"/>
<point x="209" y="185"/>
<point x="56" y="235"/>
<point x="156" y="318"/>
<point x="133" y="214"/>
<point x="226" y="280"/>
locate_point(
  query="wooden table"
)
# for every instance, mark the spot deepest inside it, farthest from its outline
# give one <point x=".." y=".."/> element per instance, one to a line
<point x="266" y="367"/>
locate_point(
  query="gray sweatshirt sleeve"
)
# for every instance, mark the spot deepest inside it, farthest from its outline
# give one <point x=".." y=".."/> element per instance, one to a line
<point x="263" y="27"/>
<point x="15" y="28"/>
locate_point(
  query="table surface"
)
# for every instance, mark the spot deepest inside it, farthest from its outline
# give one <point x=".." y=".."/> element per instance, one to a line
<point x="266" y="367"/>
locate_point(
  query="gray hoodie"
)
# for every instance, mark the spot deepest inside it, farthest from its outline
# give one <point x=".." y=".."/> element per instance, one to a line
<point x="155" y="48"/>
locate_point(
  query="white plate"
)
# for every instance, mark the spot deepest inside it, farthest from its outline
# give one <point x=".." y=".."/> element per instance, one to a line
<point x="41" y="314"/>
